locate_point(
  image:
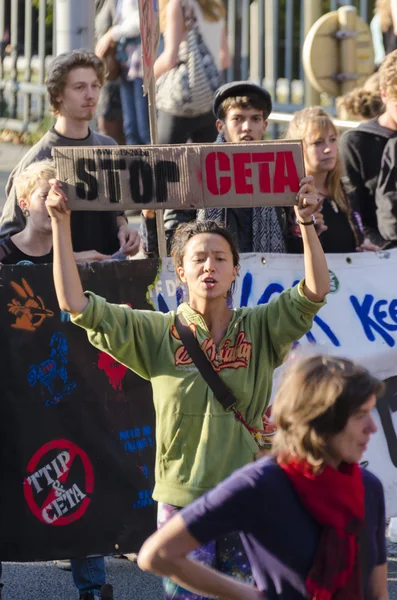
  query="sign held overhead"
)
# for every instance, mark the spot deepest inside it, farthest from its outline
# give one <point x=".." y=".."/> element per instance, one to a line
<point x="180" y="177"/>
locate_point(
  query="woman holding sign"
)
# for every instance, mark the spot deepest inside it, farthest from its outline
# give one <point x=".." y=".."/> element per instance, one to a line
<point x="199" y="442"/>
<point x="338" y="226"/>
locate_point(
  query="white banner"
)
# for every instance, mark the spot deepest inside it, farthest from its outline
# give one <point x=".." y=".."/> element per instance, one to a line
<point x="358" y="322"/>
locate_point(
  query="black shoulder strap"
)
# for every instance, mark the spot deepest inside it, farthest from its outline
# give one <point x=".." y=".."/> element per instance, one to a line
<point x="220" y="389"/>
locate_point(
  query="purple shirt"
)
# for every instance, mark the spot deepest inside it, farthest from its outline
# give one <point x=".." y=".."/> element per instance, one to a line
<point x="280" y="536"/>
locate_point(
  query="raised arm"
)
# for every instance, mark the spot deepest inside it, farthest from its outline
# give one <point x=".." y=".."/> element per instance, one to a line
<point x="68" y="286"/>
<point x="317" y="282"/>
<point x="173" y="36"/>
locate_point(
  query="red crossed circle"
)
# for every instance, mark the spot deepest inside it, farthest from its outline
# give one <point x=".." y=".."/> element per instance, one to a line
<point x="75" y="453"/>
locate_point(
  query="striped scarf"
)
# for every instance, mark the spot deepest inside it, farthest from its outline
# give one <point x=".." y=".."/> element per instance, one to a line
<point x="267" y="234"/>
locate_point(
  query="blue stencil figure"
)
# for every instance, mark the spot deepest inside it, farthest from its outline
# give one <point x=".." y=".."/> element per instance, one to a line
<point x="52" y="372"/>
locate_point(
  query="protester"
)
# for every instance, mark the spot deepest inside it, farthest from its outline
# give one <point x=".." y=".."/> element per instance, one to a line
<point x="199" y="443"/>
<point x="307" y="513"/>
<point x="336" y="224"/>
<point x="175" y="19"/>
<point x="362" y="103"/>
<point x="34" y="245"/>
<point x="125" y="33"/>
<point x="362" y="149"/>
<point x="73" y="84"/>
<point x="241" y="109"/>
<point x="387" y="13"/>
<point x="109" y="112"/>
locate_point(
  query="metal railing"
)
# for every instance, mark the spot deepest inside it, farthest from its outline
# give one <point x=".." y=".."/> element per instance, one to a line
<point x="265" y="42"/>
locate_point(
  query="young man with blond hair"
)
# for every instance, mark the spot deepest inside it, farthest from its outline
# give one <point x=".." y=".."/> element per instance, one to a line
<point x="362" y="150"/>
<point x="73" y="84"/>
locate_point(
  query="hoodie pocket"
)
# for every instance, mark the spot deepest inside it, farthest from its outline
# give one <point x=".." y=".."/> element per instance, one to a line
<point x="203" y="451"/>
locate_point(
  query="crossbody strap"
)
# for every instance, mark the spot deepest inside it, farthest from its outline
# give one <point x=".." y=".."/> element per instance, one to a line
<point x="220" y="389"/>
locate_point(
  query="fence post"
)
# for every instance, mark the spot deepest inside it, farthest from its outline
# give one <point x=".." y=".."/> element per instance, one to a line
<point x="28" y="59"/>
<point x="312" y="12"/>
<point x="74" y="25"/>
<point x="14" y="56"/>
<point x="271" y="47"/>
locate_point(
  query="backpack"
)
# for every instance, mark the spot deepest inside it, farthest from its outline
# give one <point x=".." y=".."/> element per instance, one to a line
<point x="188" y="89"/>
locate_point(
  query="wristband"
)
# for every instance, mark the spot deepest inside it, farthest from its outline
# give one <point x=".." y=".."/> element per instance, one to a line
<point x="306" y="223"/>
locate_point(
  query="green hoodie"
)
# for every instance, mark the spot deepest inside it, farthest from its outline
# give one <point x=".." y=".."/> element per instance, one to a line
<point x="198" y="443"/>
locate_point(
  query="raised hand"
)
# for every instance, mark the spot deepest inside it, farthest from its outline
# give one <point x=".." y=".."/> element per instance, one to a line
<point x="56" y="202"/>
<point x="307" y="199"/>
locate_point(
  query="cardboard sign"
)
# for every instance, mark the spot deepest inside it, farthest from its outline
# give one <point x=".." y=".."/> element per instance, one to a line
<point x="150" y="34"/>
<point x="181" y="177"/>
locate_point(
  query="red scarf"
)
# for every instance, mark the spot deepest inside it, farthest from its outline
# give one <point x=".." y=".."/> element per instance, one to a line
<point x="335" y="498"/>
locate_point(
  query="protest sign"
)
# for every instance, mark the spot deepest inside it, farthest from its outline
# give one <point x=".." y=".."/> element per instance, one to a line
<point x="182" y="177"/>
<point x="150" y="35"/>
<point x="77" y="429"/>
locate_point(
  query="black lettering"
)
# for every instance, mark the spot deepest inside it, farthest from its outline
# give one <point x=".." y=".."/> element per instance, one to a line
<point x="87" y="187"/>
<point x="165" y="171"/>
<point x="112" y="181"/>
<point x="141" y="182"/>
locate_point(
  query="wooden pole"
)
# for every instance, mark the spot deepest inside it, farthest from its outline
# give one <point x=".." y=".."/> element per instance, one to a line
<point x="313" y="11"/>
<point x="154" y="139"/>
<point x="347" y="46"/>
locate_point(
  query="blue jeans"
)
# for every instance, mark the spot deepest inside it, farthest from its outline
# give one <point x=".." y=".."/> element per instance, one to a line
<point x="88" y="573"/>
<point x="135" y="112"/>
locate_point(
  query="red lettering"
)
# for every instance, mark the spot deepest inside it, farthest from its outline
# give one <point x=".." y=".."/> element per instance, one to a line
<point x="241" y="173"/>
<point x="285" y="173"/>
<point x="263" y="159"/>
<point x="215" y="162"/>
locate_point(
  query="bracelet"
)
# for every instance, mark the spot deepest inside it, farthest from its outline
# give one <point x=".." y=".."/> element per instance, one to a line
<point x="306" y="223"/>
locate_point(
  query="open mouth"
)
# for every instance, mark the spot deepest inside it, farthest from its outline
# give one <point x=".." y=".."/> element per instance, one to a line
<point x="247" y="138"/>
<point x="209" y="282"/>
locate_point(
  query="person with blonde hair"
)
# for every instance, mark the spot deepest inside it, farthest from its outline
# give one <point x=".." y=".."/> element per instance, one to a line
<point x="362" y="103"/>
<point x="336" y="224"/>
<point x="362" y="150"/>
<point x="311" y="520"/>
<point x="176" y="16"/>
<point x="34" y="243"/>
<point x="386" y="11"/>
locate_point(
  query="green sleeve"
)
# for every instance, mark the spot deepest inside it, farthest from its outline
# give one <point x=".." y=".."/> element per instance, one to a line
<point x="287" y="318"/>
<point x="132" y="337"/>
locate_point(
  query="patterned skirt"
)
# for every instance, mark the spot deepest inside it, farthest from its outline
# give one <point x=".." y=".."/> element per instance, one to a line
<point x="226" y="554"/>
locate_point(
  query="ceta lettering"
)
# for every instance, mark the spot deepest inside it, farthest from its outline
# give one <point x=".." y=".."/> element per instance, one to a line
<point x="63" y="504"/>
<point x="246" y="171"/>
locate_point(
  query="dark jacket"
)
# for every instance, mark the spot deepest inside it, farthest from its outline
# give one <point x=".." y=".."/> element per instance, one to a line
<point x="361" y="151"/>
<point x="386" y="194"/>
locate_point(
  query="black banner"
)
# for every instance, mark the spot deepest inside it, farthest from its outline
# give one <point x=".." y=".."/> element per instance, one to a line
<point x="77" y="429"/>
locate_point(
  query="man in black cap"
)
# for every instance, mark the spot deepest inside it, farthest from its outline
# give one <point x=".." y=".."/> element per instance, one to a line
<point x="241" y="109"/>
